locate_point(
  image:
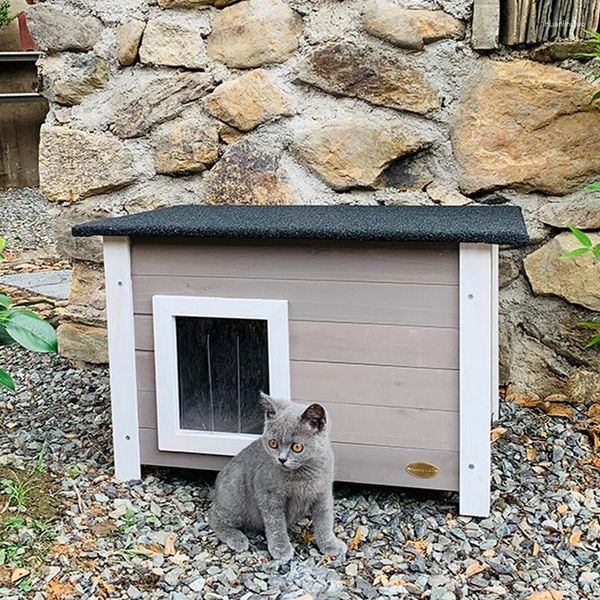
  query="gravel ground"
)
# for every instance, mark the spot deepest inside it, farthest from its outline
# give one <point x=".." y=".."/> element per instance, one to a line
<point x="151" y="540"/>
<point x="24" y="222"/>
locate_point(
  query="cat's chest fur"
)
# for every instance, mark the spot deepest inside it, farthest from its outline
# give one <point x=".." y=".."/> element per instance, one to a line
<point x="300" y="497"/>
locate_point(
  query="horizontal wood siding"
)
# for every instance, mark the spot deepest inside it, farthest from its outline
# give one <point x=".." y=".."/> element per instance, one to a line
<point x="386" y="345"/>
<point x="322" y="261"/>
<point x="367" y="424"/>
<point x="310" y="300"/>
<point x="380" y="465"/>
<point x="354" y="384"/>
<point x="373" y="336"/>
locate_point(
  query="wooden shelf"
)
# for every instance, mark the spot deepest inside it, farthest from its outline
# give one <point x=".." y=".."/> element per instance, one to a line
<point x="21" y="97"/>
<point x="19" y="56"/>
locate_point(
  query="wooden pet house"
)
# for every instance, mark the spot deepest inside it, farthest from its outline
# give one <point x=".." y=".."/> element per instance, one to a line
<point x="385" y="315"/>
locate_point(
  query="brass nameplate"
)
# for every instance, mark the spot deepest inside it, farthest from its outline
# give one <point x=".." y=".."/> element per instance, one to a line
<point x="422" y="470"/>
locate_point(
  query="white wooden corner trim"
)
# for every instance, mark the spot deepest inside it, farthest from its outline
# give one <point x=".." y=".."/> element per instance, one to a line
<point x="121" y="352"/>
<point x="476" y="302"/>
<point x="171" y="437"/>
<point x="495" y="336"/>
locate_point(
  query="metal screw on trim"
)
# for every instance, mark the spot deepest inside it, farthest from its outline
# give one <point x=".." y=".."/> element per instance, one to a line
<point x="120" y="283"/>
<point x="127" y="437"/>
<point x="470" y="296"/>
<point x="471" y="466"/>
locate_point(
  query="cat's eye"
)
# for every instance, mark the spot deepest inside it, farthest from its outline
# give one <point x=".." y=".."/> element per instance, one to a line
<point x="297" y="448"/>
<point x="273" y="444"/>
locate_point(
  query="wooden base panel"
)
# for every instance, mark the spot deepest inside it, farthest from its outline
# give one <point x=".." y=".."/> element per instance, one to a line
<point x="376" y="465"/>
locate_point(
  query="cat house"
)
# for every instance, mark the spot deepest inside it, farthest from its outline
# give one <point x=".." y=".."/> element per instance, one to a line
<point x="385" y="315"/>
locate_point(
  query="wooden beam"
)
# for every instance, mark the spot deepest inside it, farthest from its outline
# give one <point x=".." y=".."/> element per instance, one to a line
<point x="486" y="24"/>
<point x="121" y="355"/>
<point x="478" y="357"/>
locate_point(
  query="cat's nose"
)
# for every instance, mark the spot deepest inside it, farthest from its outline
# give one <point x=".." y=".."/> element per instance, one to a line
<point x="282" y="460"/>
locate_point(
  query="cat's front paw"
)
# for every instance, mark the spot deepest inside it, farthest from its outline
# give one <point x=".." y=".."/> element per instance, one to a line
<point x="333" y="547"/>
<point x="281" y="551"/>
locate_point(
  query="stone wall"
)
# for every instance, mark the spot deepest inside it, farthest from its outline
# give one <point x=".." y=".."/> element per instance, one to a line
<point x="328" y="102"/>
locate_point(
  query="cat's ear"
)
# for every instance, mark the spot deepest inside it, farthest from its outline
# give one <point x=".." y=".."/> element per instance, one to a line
<point x="271" y="405"/>
<point x="315" y="416"/>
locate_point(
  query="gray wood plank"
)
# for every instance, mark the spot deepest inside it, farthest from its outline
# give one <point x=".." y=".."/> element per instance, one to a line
<point x="367" y="425"/>
<point x="393" y="263"/>
<point x="377" y="465"/>
<point x="510" y="25"/>
<point x="350" y="302"/>
<point x="532" y="30"/>
<point x="384" y="345"/>
<point x="486" y="24"/>
<point x="435" y="389"/>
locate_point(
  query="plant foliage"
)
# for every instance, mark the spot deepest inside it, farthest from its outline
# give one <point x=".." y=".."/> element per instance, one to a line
<point x="23" y="327"/>
<point x="586" y="247"/>
<point x="5" y="16"/>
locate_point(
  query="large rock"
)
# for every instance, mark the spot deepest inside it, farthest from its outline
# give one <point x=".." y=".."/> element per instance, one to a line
<point x="561" y="50"/>
<point x="247" y="174"/>
<point x="541" y="343"/>
<point x="410" y="28"/>
<point x="69" y="77"/>
<point x="56" y="31"/>
<point x="366" y="73"/>
<point x="144" y="203"/>
<point x="408" y="175"/>
<point x="173" y="44"/>
<point x="75" y="164"/>
<point x="248" y="101"/>
<point x="85" y="343"/>
<point x="144" y="99"/>
<point x="195" y="3"/>
<point x="185" y="146"/>
<point x="63" y="218"/>
<point x="354" y="153"/>
<point x="583" y="213"/>
<point x="129" y="37"/>
<point x="577" y="280"/>
<point x="583" y="386"/>
<point x="526" y="125"/>
<point x="255" y="33"/>
<point x="87" y="285"/>
<point x="446" y="196"/>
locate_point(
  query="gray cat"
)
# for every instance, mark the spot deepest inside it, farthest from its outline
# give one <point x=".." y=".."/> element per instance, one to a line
<point x="283" y="476"/>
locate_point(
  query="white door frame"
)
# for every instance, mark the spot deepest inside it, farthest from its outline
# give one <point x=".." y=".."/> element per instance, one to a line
<point x="121" y="356"/>
<point x="171" y="437"/>
<point x="478" y="302"/>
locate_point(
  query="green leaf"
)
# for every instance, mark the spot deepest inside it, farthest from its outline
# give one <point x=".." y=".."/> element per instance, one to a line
<point x="576" y="252"/>
<point x="5" y="301"/>
<point x="596" y="251"/>
<point x="595" y="340"/>
<point x="593" y="187"/>
<point x="5" y="339"/>
<point x="583" y="239"/>
<point x="31" y="332"/>
<point x="589" y="324"/>
<point x="592" y="34"/>
<point x="6" y="381"/>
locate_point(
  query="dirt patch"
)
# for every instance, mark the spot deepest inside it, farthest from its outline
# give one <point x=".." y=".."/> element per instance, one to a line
<point x="30" y="494"/>
<point x="29" y="503"/>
